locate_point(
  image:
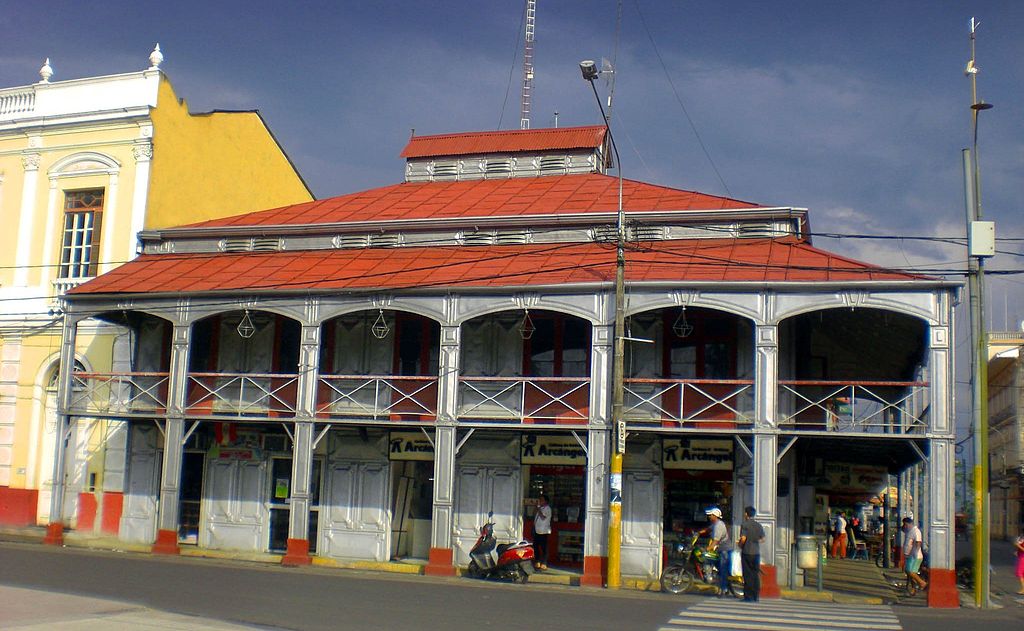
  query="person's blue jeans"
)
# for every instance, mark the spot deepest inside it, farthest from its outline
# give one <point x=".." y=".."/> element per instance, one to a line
<point x="724" y="569"/>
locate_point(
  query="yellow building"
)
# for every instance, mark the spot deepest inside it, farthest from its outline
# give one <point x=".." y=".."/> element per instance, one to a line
<point x="86" y="164"/>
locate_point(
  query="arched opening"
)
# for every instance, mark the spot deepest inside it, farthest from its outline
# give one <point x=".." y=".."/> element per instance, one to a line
<point x="689" y="367"/>
<point x="853" y="370"/>
<point x="244" y="363"/>
<point x="530" y="366"/>
<point x="379" y="364"/>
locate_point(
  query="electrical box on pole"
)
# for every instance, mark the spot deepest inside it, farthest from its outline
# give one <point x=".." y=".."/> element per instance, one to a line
<point x="982" y="238"/>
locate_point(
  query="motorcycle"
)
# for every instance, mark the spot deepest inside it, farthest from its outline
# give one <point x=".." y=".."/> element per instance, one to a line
<point x="488" y="559"/>
<point x="689" y="562"/>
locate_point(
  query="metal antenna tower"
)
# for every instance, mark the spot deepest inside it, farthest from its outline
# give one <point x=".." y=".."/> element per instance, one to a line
<point x="531" y="20"/>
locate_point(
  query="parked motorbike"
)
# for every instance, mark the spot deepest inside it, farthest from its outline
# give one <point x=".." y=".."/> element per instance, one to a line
<point x="689" y="562"/>
<point x="506" y="561"/>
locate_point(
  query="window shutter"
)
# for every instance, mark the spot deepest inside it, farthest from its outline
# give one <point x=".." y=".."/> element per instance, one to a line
<point x="94" y="245"/>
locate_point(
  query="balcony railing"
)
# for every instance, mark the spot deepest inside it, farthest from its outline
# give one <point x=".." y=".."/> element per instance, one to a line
<point x="121" y="393"/>
<point x="377" y="397"/>
<point x="233" y="394"/>
<point x="560" y="400"/>
<point x="883" y="407"/>
<point x="706" y="403"/>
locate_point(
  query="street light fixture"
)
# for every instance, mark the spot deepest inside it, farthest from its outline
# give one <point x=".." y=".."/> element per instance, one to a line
<point x="590" y="72"/>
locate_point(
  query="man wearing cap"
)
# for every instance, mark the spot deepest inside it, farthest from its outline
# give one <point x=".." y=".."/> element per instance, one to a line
<point x="720" y="542"/>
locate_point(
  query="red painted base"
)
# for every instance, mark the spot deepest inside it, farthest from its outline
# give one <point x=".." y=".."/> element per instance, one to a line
<point x="942" y="592"/>
<point x="440" y="562"/>
<point x="113" y="505"/>
<point x="166" y="542"/>
<point x="595" y="569"/>
<point x="87" y="509"/>
<point x="18" y="506"/>
<point x="770" y="582"/>
<point x="54" y="534"/>
<point x="297" y="553"/>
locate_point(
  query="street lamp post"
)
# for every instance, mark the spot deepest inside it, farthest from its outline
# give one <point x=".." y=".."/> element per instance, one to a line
<point x="981" y="244"/>
<point x="590" y="72"/>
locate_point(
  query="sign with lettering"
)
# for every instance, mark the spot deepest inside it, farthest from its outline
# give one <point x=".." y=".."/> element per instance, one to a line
<point x="555" y="450"/>
<point x="697" y="454"/>
<point x="410" y="446"/>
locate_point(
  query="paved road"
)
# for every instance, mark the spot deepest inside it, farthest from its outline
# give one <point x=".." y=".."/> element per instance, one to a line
<point x="313" y="598"/>
<point x="81" y="590"/>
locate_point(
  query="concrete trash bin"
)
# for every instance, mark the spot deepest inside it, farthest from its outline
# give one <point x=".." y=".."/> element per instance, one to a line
<point x="807" y="552"/>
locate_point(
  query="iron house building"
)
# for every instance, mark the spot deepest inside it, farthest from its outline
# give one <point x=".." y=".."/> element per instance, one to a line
<point x="368" y="376"/>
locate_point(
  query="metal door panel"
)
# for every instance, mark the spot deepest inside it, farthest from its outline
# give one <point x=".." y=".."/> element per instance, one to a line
<point x="358" y="518"/>
<point x="641" y="523"/>
<point x="480" y="490"/>
<point x="138" y="521"/>
<point x="251" y="496"/>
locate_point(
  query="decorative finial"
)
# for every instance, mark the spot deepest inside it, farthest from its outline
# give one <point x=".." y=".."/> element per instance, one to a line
<point x="46" y="71"/>
<point x="155" y="58"/>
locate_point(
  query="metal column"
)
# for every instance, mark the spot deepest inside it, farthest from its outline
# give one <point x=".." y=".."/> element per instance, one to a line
<point x="297" y="552"/>
<point x="174" y="431"/>
<point x="55" y="529"/>
<point x="442" y="555"/>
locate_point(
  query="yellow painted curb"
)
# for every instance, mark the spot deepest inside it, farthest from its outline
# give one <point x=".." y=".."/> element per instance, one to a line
<point x="809" y="596"/>
<point x="554" y="579"/>
<point x="850" y="599"/>
<point x="230" y="555"/>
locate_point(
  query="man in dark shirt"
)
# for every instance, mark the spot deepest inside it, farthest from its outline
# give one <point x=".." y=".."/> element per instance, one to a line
<point x="751" y="536"/>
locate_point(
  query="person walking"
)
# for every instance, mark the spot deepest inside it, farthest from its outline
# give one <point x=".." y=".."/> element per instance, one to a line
<point x="751" y="536"/>
<point x="721" y="543"/>
<point x="913" y="552"/>
<point x="541" y="530"/>
<point x="1018" y="547"/>
<point x="839" y="536"/>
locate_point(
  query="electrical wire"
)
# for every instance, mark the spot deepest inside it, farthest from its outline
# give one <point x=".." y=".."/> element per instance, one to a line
<point x="679" y="100"/>
<point x="512" y="68"/>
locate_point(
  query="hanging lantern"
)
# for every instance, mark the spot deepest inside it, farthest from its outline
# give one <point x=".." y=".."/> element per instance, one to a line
<point x="246" y="328"/>
<point x="380" y="328"/>
<point x="527" y="328"/>
<point x="681" y="327"/>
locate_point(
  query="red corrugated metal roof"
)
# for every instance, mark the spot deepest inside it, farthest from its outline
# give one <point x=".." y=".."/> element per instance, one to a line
<point x="715" y="260"/>
<point x="547" y="195"/>
<point x="482" y="142"/>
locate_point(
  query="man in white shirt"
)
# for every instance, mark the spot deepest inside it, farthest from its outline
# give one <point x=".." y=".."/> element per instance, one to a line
<point x="913" y="552"/>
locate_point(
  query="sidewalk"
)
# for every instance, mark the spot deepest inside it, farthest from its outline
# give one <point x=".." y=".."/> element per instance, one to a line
<point x="846" y="581"/>
<point x="39" y="610"/>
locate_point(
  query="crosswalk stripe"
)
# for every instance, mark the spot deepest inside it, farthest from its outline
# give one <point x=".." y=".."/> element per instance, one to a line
<point x="780" y="616"/>
<point x="789" y="623"/>
<point x="747" y="609"/>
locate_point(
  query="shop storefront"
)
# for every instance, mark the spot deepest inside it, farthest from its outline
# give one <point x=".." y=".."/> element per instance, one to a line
<point x="555" y="465"/>
<point x="698" y="473"/>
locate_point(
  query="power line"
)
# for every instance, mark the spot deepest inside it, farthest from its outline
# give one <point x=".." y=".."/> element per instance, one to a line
<point x="679" y="99"/>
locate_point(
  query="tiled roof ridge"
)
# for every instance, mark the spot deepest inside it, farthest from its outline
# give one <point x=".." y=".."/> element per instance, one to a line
<point x="509" y="132"/>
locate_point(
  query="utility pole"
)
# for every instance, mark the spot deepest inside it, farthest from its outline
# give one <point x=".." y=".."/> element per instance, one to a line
<point x="981" y="244"/>
<point x="590" y="72"/>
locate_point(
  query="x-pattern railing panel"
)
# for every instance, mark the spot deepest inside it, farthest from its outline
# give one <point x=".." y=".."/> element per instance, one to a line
<point x="563" y="399"/>
<point x="860" y="406"/>
<point x="377" y="396"/>
<point x="118" y="393"/>
<point x="242" y="394"/>
<point x="689" y="400"/>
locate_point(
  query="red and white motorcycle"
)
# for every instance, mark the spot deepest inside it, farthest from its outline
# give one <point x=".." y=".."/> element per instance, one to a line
<point x="488" y="559"/>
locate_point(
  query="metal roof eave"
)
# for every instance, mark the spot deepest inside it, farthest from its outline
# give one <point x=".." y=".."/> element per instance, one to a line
<point x="689" y="216"/>
<point x="119" y="298"/>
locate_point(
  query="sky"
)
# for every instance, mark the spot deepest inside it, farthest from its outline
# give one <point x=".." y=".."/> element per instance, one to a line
<point x="857" y="111"/>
